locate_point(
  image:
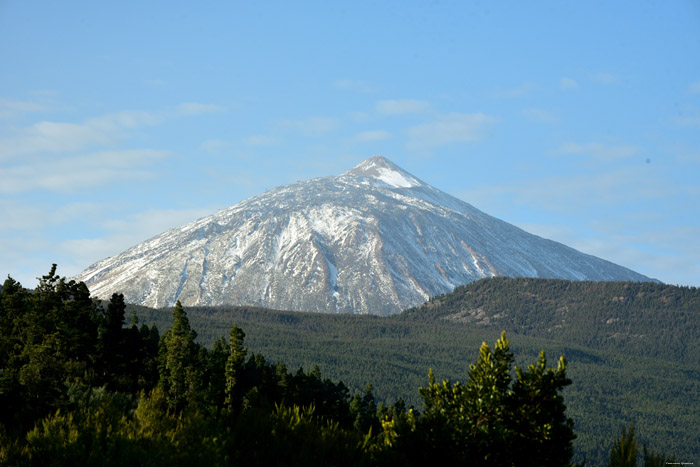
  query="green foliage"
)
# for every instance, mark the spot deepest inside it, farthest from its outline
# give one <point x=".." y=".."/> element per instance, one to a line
<point x="625" y="452"/>
<point x="629" y="348"/>
<point x="181" y="374"/>
<point x="489" y="421"/>
<point x="234" y="367"/>
<point x="48" y="339"/>
<point x="647" y="318"/>
<point x="86" y="388"/>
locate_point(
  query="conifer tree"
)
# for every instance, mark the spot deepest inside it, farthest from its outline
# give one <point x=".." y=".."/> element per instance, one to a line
<point x="181" y="373"/>
<point x="625" y="449"/>
<point x="488" y="421"/>
<point x="234" y="366"/>
<point x="112" y="344"/>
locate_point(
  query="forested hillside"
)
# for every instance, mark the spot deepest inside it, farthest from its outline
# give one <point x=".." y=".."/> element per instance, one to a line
<point x="645" y="318"/>
<point x="617" y="380"/>
<point x="81" y="385"/>
<point x="78" y="387"/>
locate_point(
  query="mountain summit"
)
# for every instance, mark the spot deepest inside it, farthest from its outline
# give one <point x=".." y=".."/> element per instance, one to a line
<point x="386" y="171"/>
<point x="375" y="239"/>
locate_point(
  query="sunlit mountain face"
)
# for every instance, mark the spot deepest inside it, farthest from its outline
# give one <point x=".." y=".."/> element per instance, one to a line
<point x="375" y="239"/>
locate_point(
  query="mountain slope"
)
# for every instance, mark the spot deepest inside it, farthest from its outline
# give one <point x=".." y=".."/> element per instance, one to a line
<point x="649" y="319"/>
<point x="375" y="239"/>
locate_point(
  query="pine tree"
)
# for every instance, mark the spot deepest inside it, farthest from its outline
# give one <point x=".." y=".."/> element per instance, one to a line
<point x="625" y="449"/>
<point x="488" y="421"/>
<point x="234" y="366"/>
<point x="181" y="372"/>
<point x="112" y="345"/>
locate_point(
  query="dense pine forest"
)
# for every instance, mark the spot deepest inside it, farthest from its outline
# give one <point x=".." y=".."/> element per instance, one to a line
<point x="629" y="348"/>
<point x="82" y="385"/>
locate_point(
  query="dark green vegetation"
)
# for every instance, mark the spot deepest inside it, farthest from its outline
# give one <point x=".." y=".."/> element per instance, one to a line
<point x="77" y="387"/>
<point x="632" y="349"/>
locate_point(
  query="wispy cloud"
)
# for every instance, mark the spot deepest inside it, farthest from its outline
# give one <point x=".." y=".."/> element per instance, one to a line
<point x="604" y="78"/>
<point x="694" y="87"/>
<point x="52" y="137"/>
<point x="156" y="82"/>
<point x="13" y="108"/>
<point x="127" y="119"/>
<point x="568" y="83"/>
<point x="311" y="125"/>
<point x="354" y="85"/>
<point x="518" y="91"/>
<point x="402" y="106"/>
<point x="214" y="146"/>
<point x="539" y="115"/>
<point x="195" y="108"/>
<point x="22" y="216"/>
<point x="80" y="172"/>
<point x="580" y="193"/>
<point x="260" y="140"/>
<point x="451" y="128"/>
<point x="372" y="135"/>
<point x="599" y="151"/>
<point x="687" y="121"/>
<point x="104" y="130"/>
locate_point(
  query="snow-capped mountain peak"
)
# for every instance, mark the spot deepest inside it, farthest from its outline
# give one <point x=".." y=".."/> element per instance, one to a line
<point x="382" y="169"/>
<point x="375" y="239"/>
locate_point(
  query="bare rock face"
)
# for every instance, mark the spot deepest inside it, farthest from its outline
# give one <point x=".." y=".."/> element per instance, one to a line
<point x="375" y="240"/>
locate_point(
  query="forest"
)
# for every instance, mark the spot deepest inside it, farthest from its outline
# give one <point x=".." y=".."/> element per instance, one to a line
<point x="81" y="385"/>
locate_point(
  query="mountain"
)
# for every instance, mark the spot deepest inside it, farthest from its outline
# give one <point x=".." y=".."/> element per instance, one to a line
<point x="375" y="240"/>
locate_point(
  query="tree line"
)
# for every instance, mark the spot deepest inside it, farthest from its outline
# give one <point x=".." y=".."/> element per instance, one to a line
<point x="79" y="387"/>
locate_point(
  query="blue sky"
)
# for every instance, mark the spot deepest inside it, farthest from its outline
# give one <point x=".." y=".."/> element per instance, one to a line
<point x="577" y="121"/>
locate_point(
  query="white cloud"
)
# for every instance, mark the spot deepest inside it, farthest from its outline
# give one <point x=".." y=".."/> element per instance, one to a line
<point x="354" y="85"/>
<point x="539" y="115"/>
<point x="403" y="106"/>
<point x="126" y="119"/>
<point x="58" y="137"/>
<point x="568" y="83"/>
<point x="578" y="194"/>
<point x="693" y="122"/>
<point x="260" y="140"/>
<point x="311" y="125"/>
<point x="372" y="135"/>
<point x="195" y="108"/>
<point x="80" y="172"/>
<point x="599" y="151"/>
<point x="604" y="78"/>
<point x="518" y="91"/>
<point x="451" y="128"/>
<point x="12" y="108"/>
<point x="359" y="117"/>
<point x="21" y="216"/>
<point x="52" y="137"/>
<point x="214" y="145"/>
<point x="156" y="82"/>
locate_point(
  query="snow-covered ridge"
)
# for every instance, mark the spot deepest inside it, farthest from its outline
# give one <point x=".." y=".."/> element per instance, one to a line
<point x="375" y="239"/>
